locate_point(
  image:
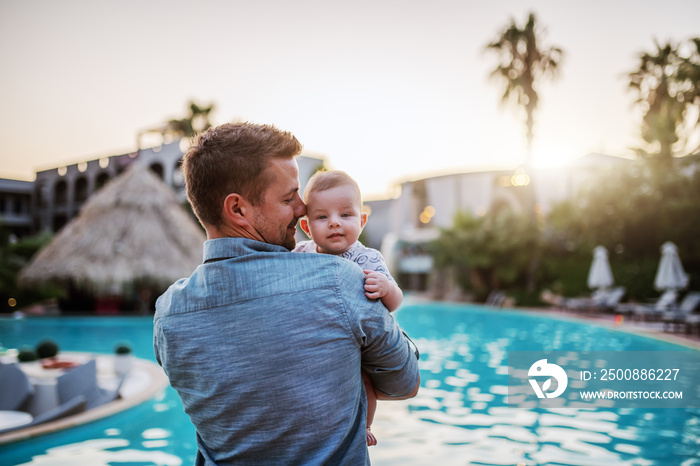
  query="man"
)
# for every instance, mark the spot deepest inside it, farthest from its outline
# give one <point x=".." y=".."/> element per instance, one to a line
<point x="264" y="347"/>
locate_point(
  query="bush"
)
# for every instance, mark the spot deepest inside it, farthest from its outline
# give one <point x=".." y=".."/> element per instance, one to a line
<point x="493" y="252"/>
<point x="14" y="256"/>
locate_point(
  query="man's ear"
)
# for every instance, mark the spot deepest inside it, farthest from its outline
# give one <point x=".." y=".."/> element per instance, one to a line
<point x="304" y="222"/>
<point x="235" y="209"/>
<point x="363" y="220"/>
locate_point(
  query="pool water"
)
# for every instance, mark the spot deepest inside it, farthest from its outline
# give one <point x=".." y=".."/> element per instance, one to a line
<point x="460" y="415"/>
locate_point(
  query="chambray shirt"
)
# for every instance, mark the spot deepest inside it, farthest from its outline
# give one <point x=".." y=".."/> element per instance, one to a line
<point x="264" y="348"/>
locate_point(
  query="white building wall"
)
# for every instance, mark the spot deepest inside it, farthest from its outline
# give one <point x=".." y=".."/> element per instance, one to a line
<point x="378" y="222"/>
<point x="308" y="165"/>
<point x="476" y="191"/>
<point x="442" y="196"/>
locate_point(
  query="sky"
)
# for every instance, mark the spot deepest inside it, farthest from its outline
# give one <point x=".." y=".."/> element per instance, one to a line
<point x="387" y="91"/>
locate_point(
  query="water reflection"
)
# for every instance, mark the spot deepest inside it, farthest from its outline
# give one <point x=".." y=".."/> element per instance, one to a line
<point x="461" y="415"/>
<point x="102" y="452"/>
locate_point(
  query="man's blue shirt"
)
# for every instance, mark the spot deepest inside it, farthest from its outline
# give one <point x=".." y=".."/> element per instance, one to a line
<point x="264" y="348"/>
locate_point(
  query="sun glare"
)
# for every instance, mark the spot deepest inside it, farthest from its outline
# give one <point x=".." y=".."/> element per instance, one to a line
<point x="551" y="156"/>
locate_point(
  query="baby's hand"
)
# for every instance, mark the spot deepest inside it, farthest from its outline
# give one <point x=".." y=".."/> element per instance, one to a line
<point x="376" y="284"/>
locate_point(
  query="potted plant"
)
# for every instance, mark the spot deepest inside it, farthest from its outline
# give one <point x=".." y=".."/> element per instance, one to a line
<point x="123" y="360"/>
<point x="26" y="354"/>
<point x="47" y="349"/>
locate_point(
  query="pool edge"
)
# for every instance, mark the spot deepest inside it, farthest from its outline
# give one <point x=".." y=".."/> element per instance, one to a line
<point x="158" y="382"/>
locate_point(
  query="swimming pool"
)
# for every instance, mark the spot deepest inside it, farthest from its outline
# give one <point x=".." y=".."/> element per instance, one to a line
<point x="459" y="417"/>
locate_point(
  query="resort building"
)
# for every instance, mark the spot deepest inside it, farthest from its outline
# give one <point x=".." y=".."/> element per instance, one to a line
<point x="16" y="206"/>
<point x="60" y="192"/>
<point x="400" y="227"/>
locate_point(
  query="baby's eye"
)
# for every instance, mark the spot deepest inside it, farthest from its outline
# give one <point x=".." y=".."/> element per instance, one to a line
<point x="322" y="217"/>
<point x="345" y="215"/>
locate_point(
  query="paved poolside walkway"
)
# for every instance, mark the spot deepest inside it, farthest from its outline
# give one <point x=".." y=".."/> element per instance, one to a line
<point x="625" y="324"/>
<point x="651" y="329"/>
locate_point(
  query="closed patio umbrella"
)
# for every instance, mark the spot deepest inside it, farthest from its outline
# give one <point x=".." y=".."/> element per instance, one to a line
<point x="670" y="274"/>
<point x="600" y="276"/>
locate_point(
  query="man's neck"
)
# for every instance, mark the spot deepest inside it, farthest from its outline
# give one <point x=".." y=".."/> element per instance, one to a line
<point x="230" y="231"/>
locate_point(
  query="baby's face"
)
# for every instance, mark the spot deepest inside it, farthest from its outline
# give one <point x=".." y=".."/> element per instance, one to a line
<point x="335" y="219"/>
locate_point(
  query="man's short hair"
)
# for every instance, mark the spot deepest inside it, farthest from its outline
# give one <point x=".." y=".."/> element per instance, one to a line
<point x="232" y="158"/>
<point x="324" y="180"/>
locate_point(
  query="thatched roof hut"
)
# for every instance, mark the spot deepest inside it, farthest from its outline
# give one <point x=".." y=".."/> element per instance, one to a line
<point x="131" y="235"/>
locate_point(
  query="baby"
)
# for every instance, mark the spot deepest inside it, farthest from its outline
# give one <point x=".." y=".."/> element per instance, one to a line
<point x="334" y="221"/>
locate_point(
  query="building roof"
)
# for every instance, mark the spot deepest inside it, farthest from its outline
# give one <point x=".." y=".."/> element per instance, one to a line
<point x="132" y="233"/>
<point x="8" y="185"/>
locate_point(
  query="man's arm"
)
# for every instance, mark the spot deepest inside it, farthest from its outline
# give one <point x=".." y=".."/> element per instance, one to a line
<point x="381" y="396"/>
<point x="387" y="356"/>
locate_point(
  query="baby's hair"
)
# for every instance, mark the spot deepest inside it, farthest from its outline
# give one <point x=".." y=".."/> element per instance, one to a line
<point x="325" y="180"/>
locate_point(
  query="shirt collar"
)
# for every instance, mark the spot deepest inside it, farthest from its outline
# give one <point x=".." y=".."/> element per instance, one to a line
<point x="225" y="248"/>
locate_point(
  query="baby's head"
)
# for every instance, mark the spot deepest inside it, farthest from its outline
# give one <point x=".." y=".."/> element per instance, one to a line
<point x="334" y="217"/>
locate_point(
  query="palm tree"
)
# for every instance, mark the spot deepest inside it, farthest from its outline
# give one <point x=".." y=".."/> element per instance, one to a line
<point x="522" y="63"/>
<point x="656" y="84"/>
<point x="196" y="122"/>
<point x="689" y="73"/>
<point x="667" y="84"/>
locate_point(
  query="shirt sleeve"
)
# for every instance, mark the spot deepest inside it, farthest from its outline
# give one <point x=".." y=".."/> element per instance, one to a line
<point x="387" y="356"/>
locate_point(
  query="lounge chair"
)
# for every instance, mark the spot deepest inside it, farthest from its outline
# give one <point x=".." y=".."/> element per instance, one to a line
<point x="496" y="298"/>
<point x="17" y="390"/>
<point x="666" y="301"/>
<point x="82" y="380"/>
<point x="600" y="300"/>
<point x="682" y="315"/>
<point x="16" y="387"/>
<point x="612" y="300"/>
<point x="576" y="304"/>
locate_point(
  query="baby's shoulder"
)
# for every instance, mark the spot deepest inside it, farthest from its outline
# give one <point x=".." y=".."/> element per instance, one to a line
<point x="360" y="249"/>
<point x="305" y="246"/>
<point x="362" y="255"/>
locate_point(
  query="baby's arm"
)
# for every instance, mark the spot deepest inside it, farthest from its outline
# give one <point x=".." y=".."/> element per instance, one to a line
<point x="378" y="286"/>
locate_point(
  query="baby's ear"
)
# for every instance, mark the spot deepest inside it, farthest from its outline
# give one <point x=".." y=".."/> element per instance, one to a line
<point x="363" y="219"/>
<point x="304" y="222"/>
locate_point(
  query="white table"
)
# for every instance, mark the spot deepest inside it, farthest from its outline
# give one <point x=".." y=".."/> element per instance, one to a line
<point x="45" y="396"/>
<point x="45" y="389"/>
<point x="10" y="419"/>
